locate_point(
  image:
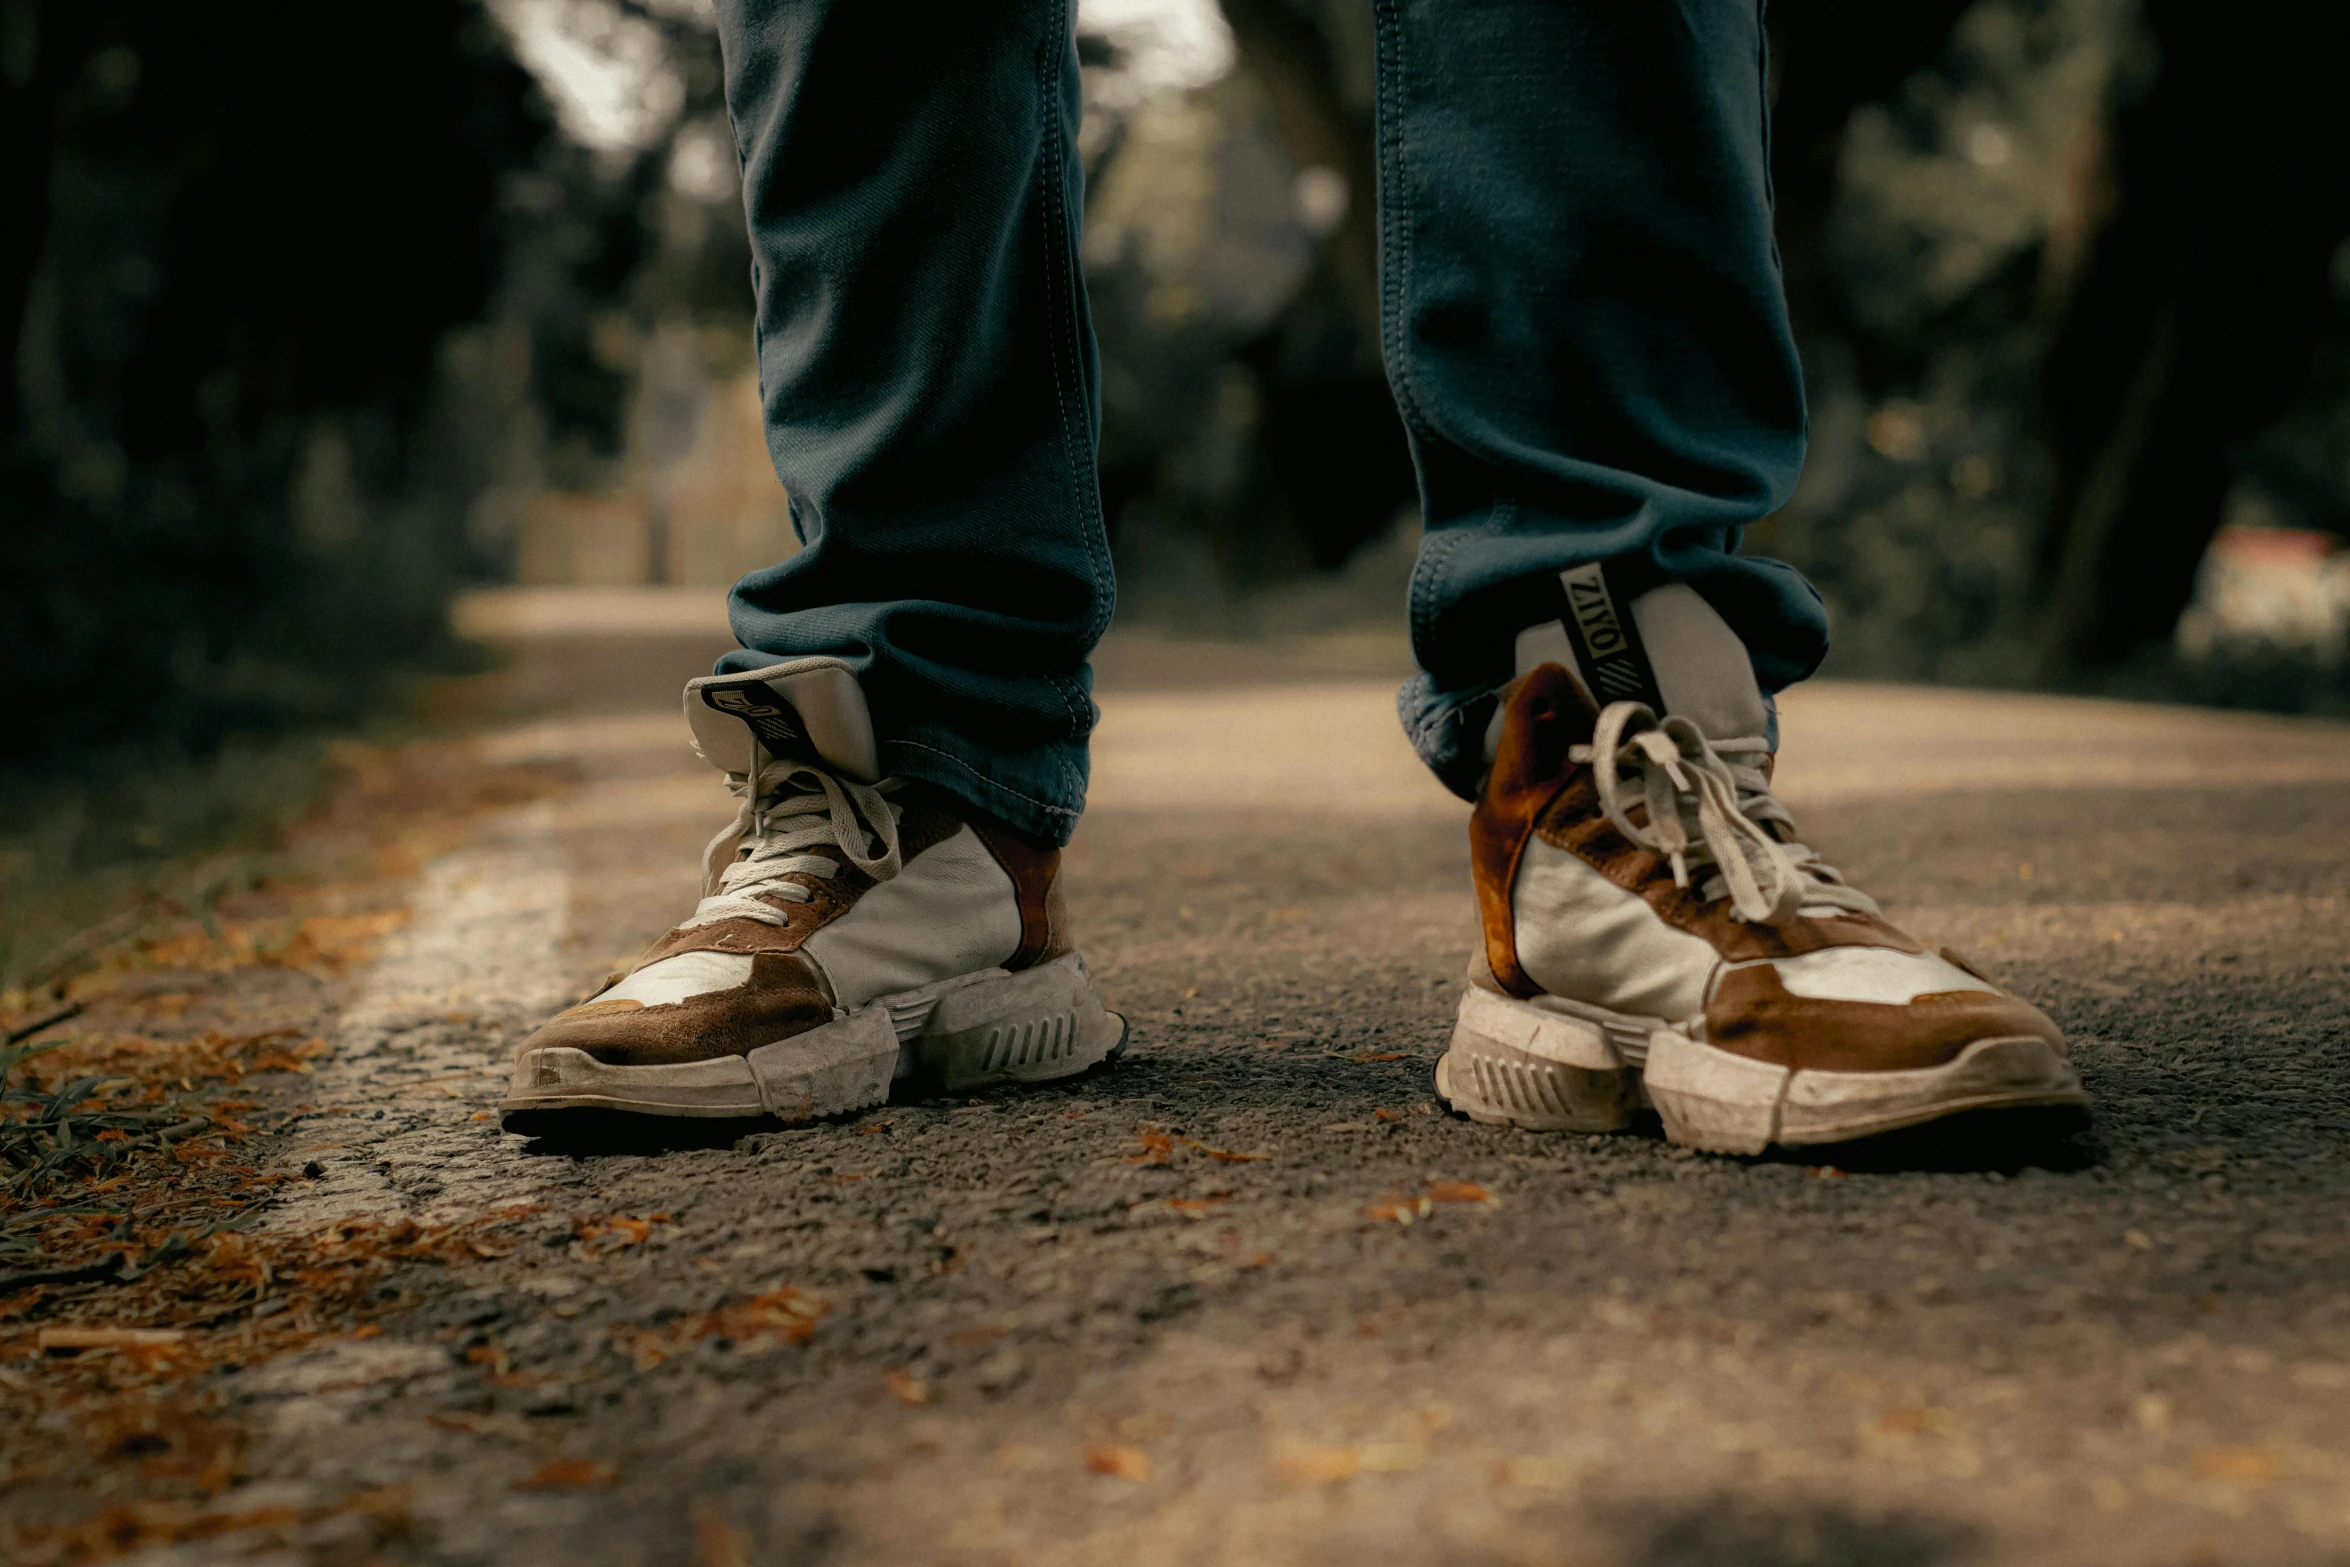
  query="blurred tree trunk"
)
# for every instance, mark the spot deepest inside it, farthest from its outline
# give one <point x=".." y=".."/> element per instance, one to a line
<point x="42" y="48"/>
<point x="1330" y="433"/>
<point x="2190" y="325"/>
<point x="1828" y="57"/>
<point x="1291" y="58"/>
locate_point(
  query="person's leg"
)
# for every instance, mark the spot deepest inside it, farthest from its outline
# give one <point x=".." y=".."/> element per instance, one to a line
<point x="1584" y="327"/>
<point x="906" y="723"/>
<point x="1585" y="331"/>
<point x="928" y="371"/>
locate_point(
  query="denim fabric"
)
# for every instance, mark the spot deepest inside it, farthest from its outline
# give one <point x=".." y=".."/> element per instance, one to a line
<point x="1583" y="326"/>
<point x="912" y="184"/>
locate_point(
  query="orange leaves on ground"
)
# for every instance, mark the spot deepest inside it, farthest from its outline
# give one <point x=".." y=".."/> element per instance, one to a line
<point x="1406" y="1443"/>
<point x="904" y="1386"/>
<point x="595" y="1239"/>
<point x="139" y="1526"/>
<point x="167" y="1438"/>
<point x="781" y="1316"/>
<point x="122" y="1241"/>
<point x="1126" y="1463"/>
<point x="106" y="1338"/>
<point x="405" y="1239"/>
<point x="559" y="1473"/>
<point x="1197" y="1207"/>
<point x="1159" y="1147"/>
<point x="228" y="1296"/>
<point x="1306" y="1464"/>
<point x="2245" y="1465"/>
<point x="499" y="1369"/>
<point x="334" y="942"/>
<point x="325" y="944"/>
<point x="1414" y="1206"/>
<point x="211" y="1056"/>
<point x="717" y="1542"/>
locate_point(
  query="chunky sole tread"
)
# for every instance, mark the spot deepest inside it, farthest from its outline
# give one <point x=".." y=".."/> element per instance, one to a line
<point x="1544" y="1066"/>
<point x="1549" y="1065"/>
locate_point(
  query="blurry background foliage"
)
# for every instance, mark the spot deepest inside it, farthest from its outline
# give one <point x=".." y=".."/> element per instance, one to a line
<point x="314" y="315"/>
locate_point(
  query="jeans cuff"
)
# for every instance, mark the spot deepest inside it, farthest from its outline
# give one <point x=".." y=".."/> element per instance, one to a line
<point x="1448" y="731"/>
<point x="1016" y="796"/>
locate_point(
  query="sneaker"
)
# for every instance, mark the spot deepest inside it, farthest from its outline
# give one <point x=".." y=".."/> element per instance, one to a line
<point x="853" y="934"/>
<point x="1654" y="935"/>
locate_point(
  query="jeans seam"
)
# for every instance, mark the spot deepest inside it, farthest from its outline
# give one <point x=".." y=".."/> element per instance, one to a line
<point x="1068" y="379"/>
<point x="1435" y="551"/>
<point x="1762" y="70"/>
<point x="1394" y="230"/>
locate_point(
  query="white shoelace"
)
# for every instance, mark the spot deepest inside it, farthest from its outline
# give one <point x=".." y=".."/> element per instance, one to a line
<point x="783" y="816"/>
<point x="1708" y="802"/>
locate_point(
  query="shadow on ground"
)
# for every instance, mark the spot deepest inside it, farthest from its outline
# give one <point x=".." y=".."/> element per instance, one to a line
<point x="1738" y="1531"/>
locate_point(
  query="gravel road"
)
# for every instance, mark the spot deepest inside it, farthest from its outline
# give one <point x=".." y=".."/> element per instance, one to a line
<point x="1250" y="1297"/>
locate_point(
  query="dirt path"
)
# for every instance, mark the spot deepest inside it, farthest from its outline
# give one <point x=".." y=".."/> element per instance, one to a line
<point x="1174" y="1313"/>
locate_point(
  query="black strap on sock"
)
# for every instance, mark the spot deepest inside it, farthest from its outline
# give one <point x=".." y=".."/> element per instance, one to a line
<point x="1596" y="611"/>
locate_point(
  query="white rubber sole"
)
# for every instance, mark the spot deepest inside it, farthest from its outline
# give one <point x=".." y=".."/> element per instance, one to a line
<point x="1553" y="1065"/>
<point x="972" y="1031"/>
<point x="1548" y="1065"/>
<point x="1725" y="1103"/>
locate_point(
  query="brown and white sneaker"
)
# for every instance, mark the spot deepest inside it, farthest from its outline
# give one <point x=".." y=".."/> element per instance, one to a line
<point x="853" y="933"/>
<point x="1654" y="935"/>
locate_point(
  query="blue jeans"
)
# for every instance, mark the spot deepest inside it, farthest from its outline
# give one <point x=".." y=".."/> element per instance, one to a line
<point x="1583" y="327"/>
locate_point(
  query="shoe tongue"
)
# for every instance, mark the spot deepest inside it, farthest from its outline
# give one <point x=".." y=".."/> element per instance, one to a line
<point x="807" y="710"/>
<point x="1677" y="648"/>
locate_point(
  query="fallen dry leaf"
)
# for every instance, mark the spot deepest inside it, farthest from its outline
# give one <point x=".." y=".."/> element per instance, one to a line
<point x="556" y="1473"/>
<point x="1159" y="1147"/>
<point x="781" y="1316"/>
<point x="1303" y="1464"/>
<point x="718" y="1543"/>
<point x="2250" y="1465"/>
<point x="904" y="1386"/>
<point x="136" y="1526"/>
<point x="107" y="1338"/>
<point x="1420" y="1204"/>
<point x="1306" y="1464"/>
<point x="1459" y="1191"/>
<point x="595" y="1239"/>
<point x="1127" y="1463"/>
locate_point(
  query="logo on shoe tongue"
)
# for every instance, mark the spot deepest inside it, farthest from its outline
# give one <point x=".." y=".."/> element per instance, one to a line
<point x="1607" y="643"/>
<point x="772" y="720"/>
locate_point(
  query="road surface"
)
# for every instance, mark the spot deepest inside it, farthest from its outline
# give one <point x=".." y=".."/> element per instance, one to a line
<point x="1061" y="1326"/>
